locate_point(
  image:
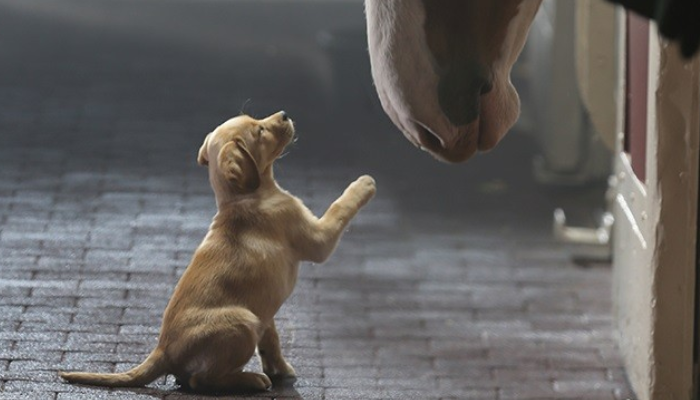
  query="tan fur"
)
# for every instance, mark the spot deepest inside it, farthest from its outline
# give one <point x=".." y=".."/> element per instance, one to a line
<point x="244" y="269"/>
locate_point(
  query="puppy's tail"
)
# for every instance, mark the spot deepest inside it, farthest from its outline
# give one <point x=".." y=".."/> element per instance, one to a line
<point x="153" y="367"/>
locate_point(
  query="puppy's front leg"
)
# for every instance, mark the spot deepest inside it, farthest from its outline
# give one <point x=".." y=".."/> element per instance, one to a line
<point x="327" y="230"/>
<point x="273" y="363"/>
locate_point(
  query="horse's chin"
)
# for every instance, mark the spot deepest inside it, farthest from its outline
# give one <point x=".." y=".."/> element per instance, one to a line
<point x="464" y="149"/>
<point x="466" y="144"/>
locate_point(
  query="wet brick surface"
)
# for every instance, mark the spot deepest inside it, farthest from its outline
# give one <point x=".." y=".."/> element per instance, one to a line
<point x="447" y="286"/>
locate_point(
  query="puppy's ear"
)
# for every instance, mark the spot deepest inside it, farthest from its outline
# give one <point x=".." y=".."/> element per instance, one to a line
<point x="203" y="156"/>
<point x="239" y="166"/>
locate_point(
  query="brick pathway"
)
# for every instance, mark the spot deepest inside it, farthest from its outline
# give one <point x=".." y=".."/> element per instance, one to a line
<point x="447" y="286"/>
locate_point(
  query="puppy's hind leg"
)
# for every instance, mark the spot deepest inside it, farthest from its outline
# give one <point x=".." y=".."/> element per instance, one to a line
<point x="232" y="382"/>
<point x="249" y="380"/>
<point x="220" y="342"/>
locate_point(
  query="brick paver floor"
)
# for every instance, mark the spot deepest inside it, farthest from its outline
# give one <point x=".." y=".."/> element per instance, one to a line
<point x="447" y="286"/>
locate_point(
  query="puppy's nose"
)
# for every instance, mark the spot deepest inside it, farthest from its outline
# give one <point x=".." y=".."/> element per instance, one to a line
<point x="284" y="116"/>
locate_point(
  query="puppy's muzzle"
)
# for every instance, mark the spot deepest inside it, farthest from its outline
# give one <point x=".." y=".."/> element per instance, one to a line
<point x="287" y="127"/>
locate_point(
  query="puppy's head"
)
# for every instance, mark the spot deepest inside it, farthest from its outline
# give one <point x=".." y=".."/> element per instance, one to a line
<point x="241" y="150"/>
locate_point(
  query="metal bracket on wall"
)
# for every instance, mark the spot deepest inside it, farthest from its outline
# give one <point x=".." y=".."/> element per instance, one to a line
<point x="587" y="236"/>
<point x="593" y="244"/>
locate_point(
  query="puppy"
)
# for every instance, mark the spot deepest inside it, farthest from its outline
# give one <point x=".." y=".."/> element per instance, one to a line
<point x="244" y="269"/>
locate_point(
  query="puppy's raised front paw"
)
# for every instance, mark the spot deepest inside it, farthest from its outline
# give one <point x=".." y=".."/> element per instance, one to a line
<point x="365" y="187"/>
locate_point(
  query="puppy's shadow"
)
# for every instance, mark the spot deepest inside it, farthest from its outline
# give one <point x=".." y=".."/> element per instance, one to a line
<point x="282" y="388"/>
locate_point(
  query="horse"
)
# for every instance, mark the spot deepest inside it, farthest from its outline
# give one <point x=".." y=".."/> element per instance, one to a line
<point x="441" y="68"/>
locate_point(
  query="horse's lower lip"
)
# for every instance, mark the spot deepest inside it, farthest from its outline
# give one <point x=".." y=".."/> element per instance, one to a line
<point x="460" y="151"/>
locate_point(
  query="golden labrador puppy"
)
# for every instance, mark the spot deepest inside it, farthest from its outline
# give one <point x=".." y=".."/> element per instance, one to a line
<point x="244" y="269"/>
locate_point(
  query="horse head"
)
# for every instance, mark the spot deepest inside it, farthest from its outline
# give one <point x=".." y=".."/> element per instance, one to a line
<point x="442" y="69"/>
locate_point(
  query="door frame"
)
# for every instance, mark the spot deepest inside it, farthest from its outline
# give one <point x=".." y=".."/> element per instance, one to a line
<point x="654" y="247"/>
